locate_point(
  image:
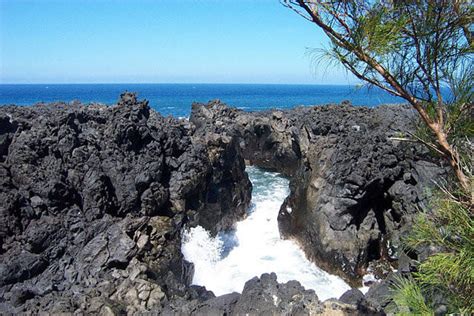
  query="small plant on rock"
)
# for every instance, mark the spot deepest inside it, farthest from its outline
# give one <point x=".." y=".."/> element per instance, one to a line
<point x="447" y="235"/>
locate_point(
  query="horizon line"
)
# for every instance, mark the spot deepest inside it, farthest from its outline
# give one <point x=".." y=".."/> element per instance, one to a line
<point x="179" y="83"/>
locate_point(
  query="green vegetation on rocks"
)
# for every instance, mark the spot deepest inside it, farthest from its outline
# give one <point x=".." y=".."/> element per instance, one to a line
<point x="447" y="235"/>
<point x="420" y="51"/>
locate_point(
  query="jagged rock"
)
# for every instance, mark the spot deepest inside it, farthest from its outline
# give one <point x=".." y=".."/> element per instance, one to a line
<point x="94" y="199"/>
<point x="266" y="296"/>
<point x="354" y="186"/>
<point x="352" y="296"/>
<point x="378" y="298"/>
<point x="260" y="296"/>
<point x="266" y="138"/>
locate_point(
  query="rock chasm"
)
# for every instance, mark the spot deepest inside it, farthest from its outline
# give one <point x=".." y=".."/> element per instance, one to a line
<point x="94" y="199"/>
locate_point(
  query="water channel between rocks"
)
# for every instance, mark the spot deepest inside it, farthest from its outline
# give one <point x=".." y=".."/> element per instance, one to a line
<point x="223" y="264"/>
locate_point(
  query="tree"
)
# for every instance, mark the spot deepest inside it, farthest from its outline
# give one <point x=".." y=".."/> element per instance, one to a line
<point x="419" y="50"/>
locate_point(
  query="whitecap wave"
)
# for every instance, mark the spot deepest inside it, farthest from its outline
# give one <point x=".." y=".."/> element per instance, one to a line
<point x="224" y="263"/>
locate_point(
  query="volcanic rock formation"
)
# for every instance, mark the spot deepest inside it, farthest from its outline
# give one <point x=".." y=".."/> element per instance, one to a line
<point x="355" y="187"/>
<point x="93" y="201"/>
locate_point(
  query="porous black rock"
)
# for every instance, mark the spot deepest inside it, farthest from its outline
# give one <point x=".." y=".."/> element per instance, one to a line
<point x="352" y="296"/>
<point x="267" y="138"/>
<point x="356" y="185"/>
<point x="94" y="199"/>
<point x="262" y="296"/>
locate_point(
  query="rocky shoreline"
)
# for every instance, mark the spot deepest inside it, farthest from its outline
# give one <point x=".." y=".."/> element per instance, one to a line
<point x="355" y="186"/>
<point x="94" y="199"/>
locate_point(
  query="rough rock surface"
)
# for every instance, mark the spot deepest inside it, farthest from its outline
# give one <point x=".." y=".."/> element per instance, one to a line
<point x="93" y="201"/>
<point x="354" y="185"/>
<point x="268" y="139"/>
<point x="262" y="296"/>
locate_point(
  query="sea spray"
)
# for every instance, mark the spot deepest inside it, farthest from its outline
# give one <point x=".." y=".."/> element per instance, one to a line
<point x="224" y="263"/>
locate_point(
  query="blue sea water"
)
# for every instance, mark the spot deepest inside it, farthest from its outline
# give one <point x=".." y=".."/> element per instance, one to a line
<point x="224" y="274"/>
<point x="176" y="99"/>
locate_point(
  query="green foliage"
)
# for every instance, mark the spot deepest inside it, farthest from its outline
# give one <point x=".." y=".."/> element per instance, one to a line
<point x="408" y="298"/>
<point x="377" y="34"/>
<point x="454" y="274"/>
<point x="449" y="228"/>
<point x="450" y="225"/>
<point x="461" y="108"/>
<point x="422" y="44"/>
<point x="421" y="51"/>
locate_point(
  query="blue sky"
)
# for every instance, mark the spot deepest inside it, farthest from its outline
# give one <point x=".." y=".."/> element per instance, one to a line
<point x="125" y="41"/>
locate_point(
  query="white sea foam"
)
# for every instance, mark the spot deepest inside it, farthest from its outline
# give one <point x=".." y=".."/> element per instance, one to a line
<point x="223" y="264"/>
<point x="367" y="279"/>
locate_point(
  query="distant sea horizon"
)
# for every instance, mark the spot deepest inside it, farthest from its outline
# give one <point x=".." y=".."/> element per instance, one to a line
<point x="176" y="98"/>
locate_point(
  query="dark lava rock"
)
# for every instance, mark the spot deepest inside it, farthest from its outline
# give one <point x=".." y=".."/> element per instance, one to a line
<point x="94" y="199"/>
<point x="266" y="138"/>
<point x="266" y="296"/>
<point x="352" y="296"/>
<point x="263" y="296"/>
<point x="355" y="187"/>
<point x="378" y="298"/>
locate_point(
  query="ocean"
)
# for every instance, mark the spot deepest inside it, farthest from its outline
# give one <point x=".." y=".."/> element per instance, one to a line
<point x="176" y="99"/>
<point x="224" y="263"/>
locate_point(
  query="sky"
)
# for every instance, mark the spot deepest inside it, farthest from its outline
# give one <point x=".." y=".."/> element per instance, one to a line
<point x="158" y="41"/>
